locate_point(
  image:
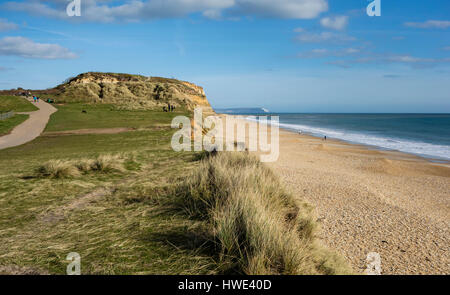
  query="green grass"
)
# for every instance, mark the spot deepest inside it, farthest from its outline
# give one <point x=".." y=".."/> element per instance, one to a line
<point x="8" y="124"/>
<point x="112" y="217"/>
<point x="16" y="104"/>
<point x="123" y="214"/>
<point x="71" y="117"/>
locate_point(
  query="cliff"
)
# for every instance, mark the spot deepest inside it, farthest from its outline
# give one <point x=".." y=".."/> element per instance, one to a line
<point x="128" y="91"/>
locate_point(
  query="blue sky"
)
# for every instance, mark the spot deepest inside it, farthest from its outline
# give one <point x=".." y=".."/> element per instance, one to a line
<point x="284" y="55"/>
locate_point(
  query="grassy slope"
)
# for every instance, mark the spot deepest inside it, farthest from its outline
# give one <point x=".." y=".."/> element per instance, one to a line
<point x="70" y="117"/>
<point x="124" y="231"/>
<point x="7" y="125"/>
<point x="16" y="103"/>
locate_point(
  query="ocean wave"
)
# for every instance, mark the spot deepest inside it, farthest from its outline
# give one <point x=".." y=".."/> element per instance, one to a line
<point x="408" y="146"/>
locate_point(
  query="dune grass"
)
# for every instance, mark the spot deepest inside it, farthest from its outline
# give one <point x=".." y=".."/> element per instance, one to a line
<point x="60" y="169"/>
<point x="7" y="125"/>
<point x="259" y="228"/>
<point x="57" y="169"/>
<point x="16" y="104"/>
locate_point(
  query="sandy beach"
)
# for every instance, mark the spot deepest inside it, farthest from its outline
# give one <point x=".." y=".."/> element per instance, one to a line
<point x="366" y="200"/>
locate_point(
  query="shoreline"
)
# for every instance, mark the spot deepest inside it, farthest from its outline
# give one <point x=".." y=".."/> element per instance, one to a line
<point x="401" y="154"/>
<point x="431" y="158"/>
<point x="390" y="202"/>
<point x="369" y="147"/>
<point x="393" y="153"/>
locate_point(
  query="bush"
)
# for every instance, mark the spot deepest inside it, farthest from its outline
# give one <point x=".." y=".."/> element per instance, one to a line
<point x="70" y="169"/>
<point x="84" y="165"/>
<point x="108" y="163"/>
<point x="57" y="169"/>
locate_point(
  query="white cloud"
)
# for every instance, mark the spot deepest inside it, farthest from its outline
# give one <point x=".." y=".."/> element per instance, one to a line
<point x="336" y="23"/>
<point x="437" y="24"/>
<point x="307" y="37"/>
<point x="315" y="53"/>
<point x="405" y="58"/>
<point x="136" y="10"/>
<point x="351" y="50"/>
<point x="24" y="47"/>
<point x="372" y="58"/>
<point x="322" y="52"/>
<point x="446" y="48"/>
<point x="290" y="9"/>
<point x="412" y="59"/>
<point x="212" y="14"/>
<point x="7" y="26"/>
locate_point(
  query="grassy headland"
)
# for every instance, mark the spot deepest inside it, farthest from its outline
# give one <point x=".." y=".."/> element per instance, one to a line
<point x="129" y="204"/>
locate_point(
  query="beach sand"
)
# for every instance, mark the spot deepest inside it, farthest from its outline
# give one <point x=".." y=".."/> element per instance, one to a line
<point x="395" y="204"/>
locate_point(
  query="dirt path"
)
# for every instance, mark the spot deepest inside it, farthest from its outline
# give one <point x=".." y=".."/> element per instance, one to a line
<point x="31" y="128"/>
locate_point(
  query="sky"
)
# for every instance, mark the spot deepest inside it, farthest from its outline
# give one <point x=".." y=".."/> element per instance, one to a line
<point x="283" y="55"/>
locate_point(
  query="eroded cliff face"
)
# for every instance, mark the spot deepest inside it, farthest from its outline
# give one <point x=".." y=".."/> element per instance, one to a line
<point x="131" y="91"/>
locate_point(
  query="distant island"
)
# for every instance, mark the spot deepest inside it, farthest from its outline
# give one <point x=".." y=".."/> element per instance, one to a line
<point x="242" y="111"/>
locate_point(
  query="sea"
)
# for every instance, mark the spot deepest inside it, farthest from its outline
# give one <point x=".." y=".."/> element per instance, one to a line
<point x="426" y="135"/>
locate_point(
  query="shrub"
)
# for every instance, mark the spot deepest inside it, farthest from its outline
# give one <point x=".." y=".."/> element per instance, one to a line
<point x="84" y="165"/>
<point x="108" y="163"/>
<point x="74" y="168"/>
<point x="57" y="169"/>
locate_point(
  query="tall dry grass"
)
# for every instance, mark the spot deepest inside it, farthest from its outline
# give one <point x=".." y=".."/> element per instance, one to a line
<point x="57" y="169"/>
<point x="60" y="169"/>
<point x="108" y="163"/>
<point x="258" y="227"/>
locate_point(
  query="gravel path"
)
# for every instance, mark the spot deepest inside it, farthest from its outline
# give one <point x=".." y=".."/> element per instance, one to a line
<point x="31" y="128"/>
